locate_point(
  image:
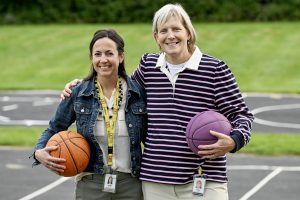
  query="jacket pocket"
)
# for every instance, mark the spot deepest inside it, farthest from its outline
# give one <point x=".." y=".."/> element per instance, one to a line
<point x="83" y="114"/>
<point x="139" y="112"/>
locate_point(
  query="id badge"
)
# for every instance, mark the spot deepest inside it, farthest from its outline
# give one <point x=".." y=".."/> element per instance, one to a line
<point x="110" y="182"/>
<point x="199" y="185"/>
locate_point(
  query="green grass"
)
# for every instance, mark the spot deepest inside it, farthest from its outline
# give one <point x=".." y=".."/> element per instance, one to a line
<point x="273" y="144"/>
<point x="260" y="144"/>
<point x="26" y="137"/>
<point x="263" y="56"/>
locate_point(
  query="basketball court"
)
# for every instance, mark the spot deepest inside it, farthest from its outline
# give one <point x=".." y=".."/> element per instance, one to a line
<point x="250" y="177"/>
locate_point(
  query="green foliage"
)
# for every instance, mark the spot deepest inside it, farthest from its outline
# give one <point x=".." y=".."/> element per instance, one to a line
<point x="120" y="11"/>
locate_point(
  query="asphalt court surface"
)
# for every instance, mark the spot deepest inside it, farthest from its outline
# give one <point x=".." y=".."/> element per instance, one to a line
<point x="250" y="177"/>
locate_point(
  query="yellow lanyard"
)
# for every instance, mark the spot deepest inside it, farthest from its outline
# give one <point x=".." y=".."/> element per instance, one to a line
<point x="200" y="170"/>
<point x="110" y="126"/>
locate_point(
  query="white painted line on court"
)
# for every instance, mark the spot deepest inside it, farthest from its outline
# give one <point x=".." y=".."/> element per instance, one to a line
<point x="292" y="169"/>
<point x="34" y="92"/>
<point x="275" y="108"/>
<point x="46" y="188"/>
<point x="4" y="119"/>
<point x="271" y="95"/>
<point x="276" y="124"/>
<point x="14" y="166"/>
<point x="249" y="167"/>
<point x="27" y="122"/>
<point x="45" y="102"/>
<point x="261" y="184"/>
<point x="28" y="99"/>
<point x="10" y="107"/>
<point x="5" y="98"/>
<point x="263" y="167"/>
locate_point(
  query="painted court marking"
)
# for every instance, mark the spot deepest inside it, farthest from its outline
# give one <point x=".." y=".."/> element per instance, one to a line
<point x="36" y="102"/>
<point x="261" y="184"/>
<point x="45" y="189"/>
<point x="276" y="108"/>
<point x="10" y="107"/>
<point x="275" y="170"/>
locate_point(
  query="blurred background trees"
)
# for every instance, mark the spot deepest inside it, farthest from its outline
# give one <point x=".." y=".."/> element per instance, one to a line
<point x="135" y="11"/>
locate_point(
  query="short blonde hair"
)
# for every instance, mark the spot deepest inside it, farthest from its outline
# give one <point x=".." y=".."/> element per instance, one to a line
<point x="169" y="10"/>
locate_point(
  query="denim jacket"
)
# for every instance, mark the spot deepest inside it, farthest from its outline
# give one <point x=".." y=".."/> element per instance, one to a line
<point x="83" y="107"/>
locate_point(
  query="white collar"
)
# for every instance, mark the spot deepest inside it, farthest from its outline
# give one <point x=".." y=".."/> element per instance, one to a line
<point x="192" y="63"/>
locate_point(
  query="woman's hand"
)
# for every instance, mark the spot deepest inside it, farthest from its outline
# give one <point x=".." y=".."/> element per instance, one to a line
<point x="224" y="145"/>
<point x="50" y="162"/>
<point x="67" y="89"/>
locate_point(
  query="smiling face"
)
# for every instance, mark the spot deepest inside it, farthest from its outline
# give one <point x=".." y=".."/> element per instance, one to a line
<point x="106" y="58"/>
<point x="172" y="38"/>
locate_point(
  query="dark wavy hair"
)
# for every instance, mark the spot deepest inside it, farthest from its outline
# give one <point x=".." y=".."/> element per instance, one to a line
<point x="114" y="36"/>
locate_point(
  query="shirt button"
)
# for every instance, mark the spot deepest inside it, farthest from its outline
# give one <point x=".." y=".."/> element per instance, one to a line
<point x="130" y="125"/>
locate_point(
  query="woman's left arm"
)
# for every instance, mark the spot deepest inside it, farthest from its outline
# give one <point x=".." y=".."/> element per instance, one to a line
<point x="230" y="103"/>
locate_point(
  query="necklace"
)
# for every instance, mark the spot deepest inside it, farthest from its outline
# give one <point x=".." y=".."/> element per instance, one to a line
<point x="120" y="88"/>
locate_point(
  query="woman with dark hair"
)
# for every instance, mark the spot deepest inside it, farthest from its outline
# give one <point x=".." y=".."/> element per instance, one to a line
<point x="111" y="34"/>
<point x="110" y="112"/>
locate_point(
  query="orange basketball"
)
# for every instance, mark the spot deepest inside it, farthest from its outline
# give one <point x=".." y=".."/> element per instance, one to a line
<point x="74" y="148"/>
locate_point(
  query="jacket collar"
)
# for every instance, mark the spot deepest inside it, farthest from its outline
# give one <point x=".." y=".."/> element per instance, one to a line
<point x="88" y="88"/>
<point x="132" y="88"/>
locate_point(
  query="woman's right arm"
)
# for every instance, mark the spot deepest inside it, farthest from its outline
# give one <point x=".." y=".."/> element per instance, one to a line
<point x="61" y="120"/>
<point x="52" y="163"/>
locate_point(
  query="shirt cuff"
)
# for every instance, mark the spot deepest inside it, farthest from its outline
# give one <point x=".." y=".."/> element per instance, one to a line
<point x="238" y="139"/>
<point x="36" y="162"/>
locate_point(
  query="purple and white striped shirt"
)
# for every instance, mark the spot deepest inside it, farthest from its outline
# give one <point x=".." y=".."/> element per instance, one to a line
<point x="205" y="83"/>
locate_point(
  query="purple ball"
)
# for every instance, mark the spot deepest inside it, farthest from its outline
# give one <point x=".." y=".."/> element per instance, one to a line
<point x="199" y="127"/>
